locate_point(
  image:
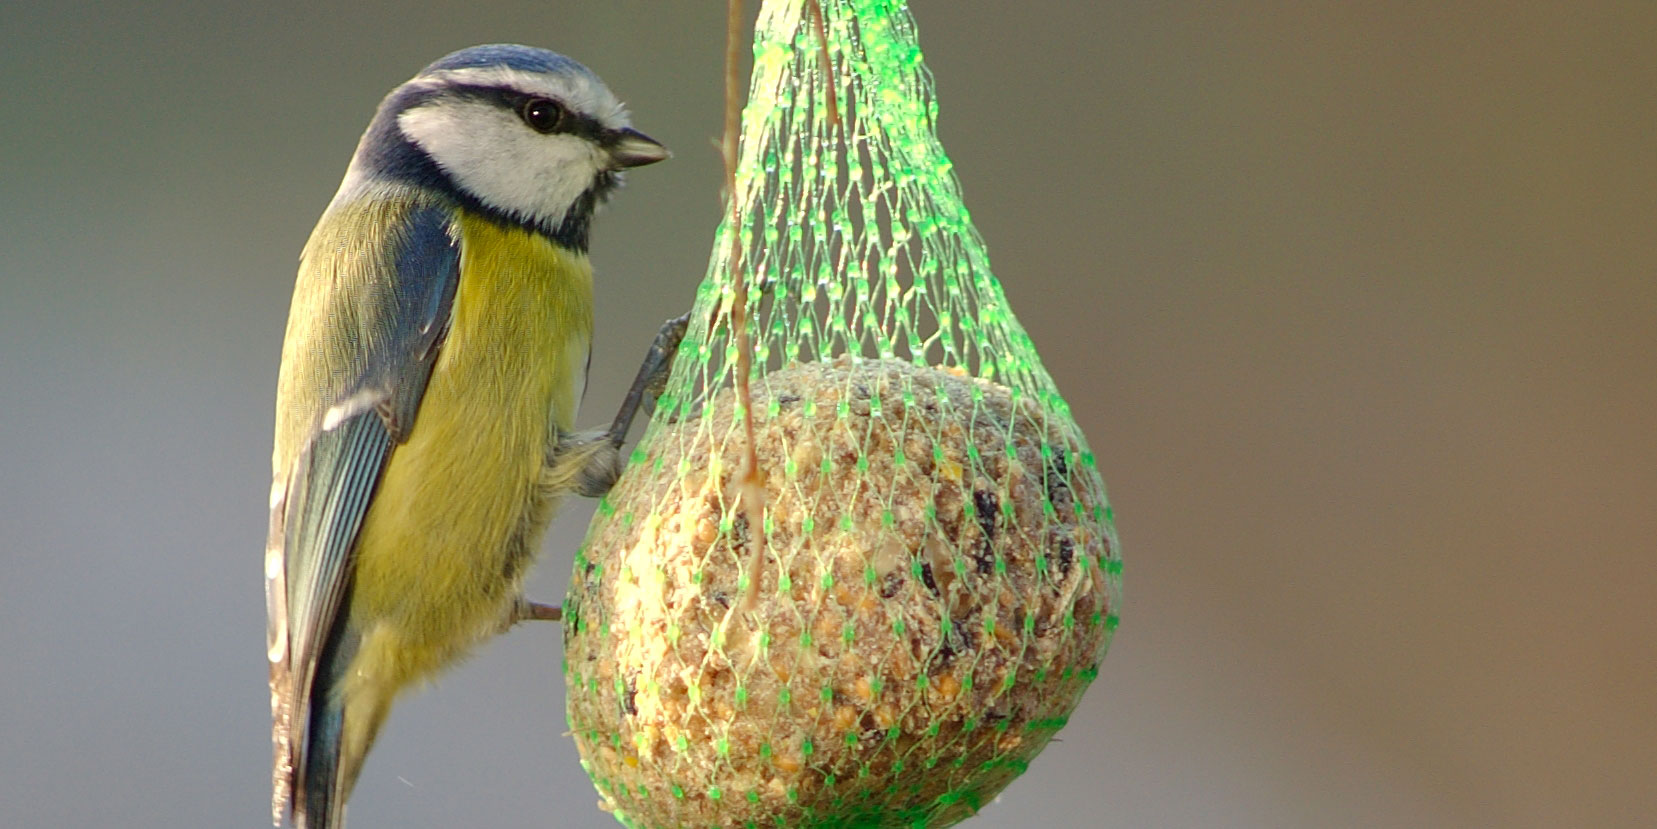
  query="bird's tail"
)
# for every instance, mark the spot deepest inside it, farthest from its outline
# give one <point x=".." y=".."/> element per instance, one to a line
<point x="321" y="790"/>
<point x="312" y="777"/>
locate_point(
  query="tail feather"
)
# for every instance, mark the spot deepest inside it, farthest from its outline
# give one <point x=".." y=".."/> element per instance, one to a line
<point x="313" y="774"/>
<point x="319" y="796"/>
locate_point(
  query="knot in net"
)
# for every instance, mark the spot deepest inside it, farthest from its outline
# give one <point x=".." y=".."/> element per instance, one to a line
<point x="933" y="577"/>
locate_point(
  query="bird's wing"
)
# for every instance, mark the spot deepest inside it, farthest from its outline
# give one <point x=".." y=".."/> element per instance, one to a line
<point x="372" y="306"/>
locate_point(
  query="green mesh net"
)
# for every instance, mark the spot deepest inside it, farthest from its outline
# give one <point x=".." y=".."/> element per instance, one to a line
<point x="935" y="576"/>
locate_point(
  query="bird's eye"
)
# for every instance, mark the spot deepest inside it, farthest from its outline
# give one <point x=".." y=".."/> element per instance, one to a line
<point x="542" y="115"/>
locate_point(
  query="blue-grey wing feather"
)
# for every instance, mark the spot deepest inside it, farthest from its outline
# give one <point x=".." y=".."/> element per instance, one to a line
<point x="330" y="484"/>
<point x="428" y="268"/>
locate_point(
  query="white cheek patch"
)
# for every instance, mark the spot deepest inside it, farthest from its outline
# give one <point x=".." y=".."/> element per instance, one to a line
<point x="491" y="154"/>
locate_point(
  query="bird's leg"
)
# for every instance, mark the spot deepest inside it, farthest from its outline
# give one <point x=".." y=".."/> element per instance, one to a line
<point x="589" y="463"/>
<point x="524" y="610"/>
<point x="651" y="379"/>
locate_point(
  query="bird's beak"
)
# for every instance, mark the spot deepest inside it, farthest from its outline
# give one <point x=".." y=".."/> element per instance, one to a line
<point x="630" y="148"/>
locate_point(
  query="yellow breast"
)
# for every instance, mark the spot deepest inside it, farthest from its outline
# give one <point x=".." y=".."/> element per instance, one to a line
<point x="452" y="502"/>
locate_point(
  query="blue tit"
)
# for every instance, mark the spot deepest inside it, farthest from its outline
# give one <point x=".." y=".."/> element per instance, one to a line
<point x="436" y="351"/>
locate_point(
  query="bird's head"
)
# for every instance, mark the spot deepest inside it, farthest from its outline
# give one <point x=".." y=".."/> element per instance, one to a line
<point x="524" y="134"/>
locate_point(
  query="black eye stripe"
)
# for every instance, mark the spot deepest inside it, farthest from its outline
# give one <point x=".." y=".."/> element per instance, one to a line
<point x="514" y="101"/>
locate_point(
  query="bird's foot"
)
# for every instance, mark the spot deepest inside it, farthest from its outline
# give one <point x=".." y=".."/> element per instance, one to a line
<point x="524" y="610"/>
<point x="651" y="380"/>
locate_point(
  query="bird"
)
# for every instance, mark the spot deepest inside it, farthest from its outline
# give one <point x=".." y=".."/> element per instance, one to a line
<point x="435" y="354"/>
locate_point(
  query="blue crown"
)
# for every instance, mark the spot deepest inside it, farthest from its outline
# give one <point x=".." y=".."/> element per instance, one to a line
<point x="509" y="55"/>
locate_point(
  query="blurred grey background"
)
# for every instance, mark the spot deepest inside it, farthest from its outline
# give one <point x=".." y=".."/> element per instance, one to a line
<point x="1356" y="302"/>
